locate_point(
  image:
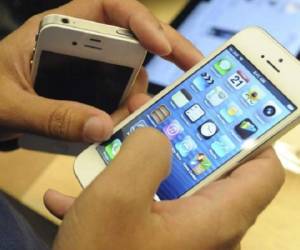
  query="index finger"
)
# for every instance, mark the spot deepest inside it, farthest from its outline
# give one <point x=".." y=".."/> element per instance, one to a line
<point x="155" y="36"/>
<point x="128" y="14"/>
<point x="184" y="54"/>
<point x="137" y="171"/>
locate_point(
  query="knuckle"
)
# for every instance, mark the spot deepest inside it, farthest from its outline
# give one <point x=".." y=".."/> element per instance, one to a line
<point x="159" y="25"/>
<point x="109" y="5"/>
<point x="59" y="121"/>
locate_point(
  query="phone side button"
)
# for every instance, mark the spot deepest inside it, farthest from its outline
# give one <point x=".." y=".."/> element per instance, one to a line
<point x="124" y="32"/>
<point x="32" y="56"/>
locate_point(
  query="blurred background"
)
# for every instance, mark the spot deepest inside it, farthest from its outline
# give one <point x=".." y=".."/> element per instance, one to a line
<point x="14" y="12"/>
<point x="207" y="24"/>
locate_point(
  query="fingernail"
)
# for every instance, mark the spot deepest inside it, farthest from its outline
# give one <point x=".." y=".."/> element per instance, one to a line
<point x="52" y="191"/>
<point x="164" y="42"/>
<point x="167" y="44"/>
<point x="95" y="130"/>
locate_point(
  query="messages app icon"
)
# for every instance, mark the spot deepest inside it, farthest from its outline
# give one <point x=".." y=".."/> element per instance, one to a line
<point x="223" y="66"/>
<point x="113" y="148"/>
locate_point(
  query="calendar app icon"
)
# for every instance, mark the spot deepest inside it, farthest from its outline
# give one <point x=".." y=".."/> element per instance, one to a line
<point x="238" y="79"/>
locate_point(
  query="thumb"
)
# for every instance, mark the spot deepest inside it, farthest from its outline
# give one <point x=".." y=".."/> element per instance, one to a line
<point x="61" y="119"/>
<point x="136" y="173"/>
<point x="120" y="198"/>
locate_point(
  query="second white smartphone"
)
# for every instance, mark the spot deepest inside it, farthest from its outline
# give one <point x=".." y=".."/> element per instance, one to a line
<point x="221" y="112"/>
<point x="85" y="61"/>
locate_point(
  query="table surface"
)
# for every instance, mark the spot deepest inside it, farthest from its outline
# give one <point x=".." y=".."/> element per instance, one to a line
<point x="26" y="175"/>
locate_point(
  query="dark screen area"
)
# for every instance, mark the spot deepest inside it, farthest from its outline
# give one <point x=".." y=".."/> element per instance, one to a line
<point x="64" y="77"/>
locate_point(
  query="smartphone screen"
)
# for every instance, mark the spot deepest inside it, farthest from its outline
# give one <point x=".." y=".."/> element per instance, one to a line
<point x="212" y="22"/>
<point x="65" y="77"/>
<point x="209" y="118"/>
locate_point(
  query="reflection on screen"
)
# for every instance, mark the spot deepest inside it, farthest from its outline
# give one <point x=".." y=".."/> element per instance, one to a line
<point x="209" y="118"/>
<point x="65" y="77"/>
<point x="213" y="22"/>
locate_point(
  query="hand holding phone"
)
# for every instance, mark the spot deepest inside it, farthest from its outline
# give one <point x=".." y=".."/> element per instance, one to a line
<point x="84" y="61"/>
<point x="119" y="211"/>
<point x="27" y="112"/>
<point x="222" y="112"/>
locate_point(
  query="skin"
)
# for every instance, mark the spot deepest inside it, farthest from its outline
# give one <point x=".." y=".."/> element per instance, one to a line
<point x="117" y="210"/>
<point x="27" y="112"/>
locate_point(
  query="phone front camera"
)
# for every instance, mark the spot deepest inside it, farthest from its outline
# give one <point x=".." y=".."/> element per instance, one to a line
<point x="65" y="20"/>
<point x="280" y="60"/>
<point x="74" y="43"/>
<point x="262" y="56"/>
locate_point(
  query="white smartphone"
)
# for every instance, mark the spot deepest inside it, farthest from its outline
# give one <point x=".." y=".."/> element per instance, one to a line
<point x="85" y="61"/>
<point x="220" y="113"/>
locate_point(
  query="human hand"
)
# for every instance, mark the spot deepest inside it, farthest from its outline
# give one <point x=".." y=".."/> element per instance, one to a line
<point x="117" y="210"/>
<point x="23" y="111"/>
